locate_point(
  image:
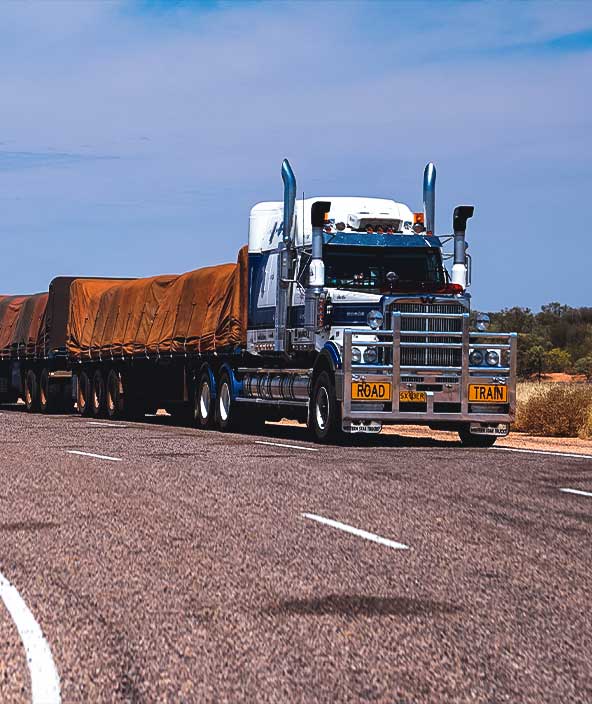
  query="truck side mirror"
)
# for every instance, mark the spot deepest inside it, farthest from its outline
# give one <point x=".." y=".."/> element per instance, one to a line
<point x="461" y="214"/>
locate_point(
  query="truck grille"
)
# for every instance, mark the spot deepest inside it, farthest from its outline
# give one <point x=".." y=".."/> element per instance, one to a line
<point x="435" y="356"/>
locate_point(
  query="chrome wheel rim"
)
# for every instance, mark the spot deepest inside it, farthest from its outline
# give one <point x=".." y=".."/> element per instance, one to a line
<point x="322" y="408"/>
<point x="224" y="402"/>
<point x="205" y="400"/>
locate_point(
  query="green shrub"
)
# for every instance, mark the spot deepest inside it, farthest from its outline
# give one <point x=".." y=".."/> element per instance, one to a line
<point x="560" y="410"/>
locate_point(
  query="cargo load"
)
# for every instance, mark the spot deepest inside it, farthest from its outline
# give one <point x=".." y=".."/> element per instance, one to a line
<point x="21" y="319"/>
<point x="200" y="311"/>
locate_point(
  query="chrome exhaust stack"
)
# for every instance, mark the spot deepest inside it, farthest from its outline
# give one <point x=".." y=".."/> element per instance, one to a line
<point x="459" y="224"/>
<point x="429" y="198"/>
<point x="285" y="260"/>
<point x="289" y="200"/>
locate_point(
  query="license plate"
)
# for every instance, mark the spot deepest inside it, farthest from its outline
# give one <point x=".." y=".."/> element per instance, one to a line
<point x="360" y="427"/>
<point x="412" y="396"/>
<point x="370" y="391"/>
<point x="488" y="393"/>
<point x="501" y="429"/>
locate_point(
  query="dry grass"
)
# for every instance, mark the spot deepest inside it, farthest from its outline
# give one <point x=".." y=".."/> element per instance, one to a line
<point x="555" y="410"/>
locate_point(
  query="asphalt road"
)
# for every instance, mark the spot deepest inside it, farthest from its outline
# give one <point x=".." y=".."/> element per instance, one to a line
<point x="184" y="568"/>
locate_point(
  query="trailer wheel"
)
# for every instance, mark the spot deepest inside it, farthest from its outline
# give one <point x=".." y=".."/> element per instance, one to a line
<point x="83" y="394"/>
<point x="98" y="394"/>
<point x="31" y="392"/>
<point x="469" y="440"/>
<point x="203" y="401"/>
<point x="324" y="416"/>
<point x="114" y="395"/>
<point x="46" y="400"/>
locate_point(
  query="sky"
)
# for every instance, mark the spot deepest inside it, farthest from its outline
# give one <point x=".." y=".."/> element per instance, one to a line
<point x="136" y="136"/>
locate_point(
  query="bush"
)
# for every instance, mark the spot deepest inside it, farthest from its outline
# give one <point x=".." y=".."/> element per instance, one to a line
<point x="584" y="366"/>
<point x="560" y="410"/>
<point x="586" y="431"/>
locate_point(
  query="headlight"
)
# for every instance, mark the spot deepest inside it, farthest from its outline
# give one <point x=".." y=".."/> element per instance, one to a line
<point x="476" y="358"/>
<point x="370" y="355"/>
<point x="482" y="322"/>
<point x="492" y="358"/>
<point x="375" y="318"/>
<point x="356" y="355"/>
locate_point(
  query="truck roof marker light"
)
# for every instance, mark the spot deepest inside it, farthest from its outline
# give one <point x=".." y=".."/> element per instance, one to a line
<point x="451" y="288"/>
<point x="419" y="224"/>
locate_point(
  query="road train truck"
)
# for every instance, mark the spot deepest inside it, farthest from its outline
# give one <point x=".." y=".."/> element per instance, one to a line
<point x="340" y="313"/>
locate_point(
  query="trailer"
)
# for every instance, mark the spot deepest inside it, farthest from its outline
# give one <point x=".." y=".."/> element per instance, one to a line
<point x="339" y="313"/>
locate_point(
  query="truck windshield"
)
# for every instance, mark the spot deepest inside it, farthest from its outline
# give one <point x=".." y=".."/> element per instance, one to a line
<point x="381" y="270"/>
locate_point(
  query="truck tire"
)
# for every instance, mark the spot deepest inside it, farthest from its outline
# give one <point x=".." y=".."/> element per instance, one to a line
<point x="31" y="392"/>
<point x="46" y="393"/>
<point x="204" y="404"/>
<point x="83" y="394"/>
<point x="324" y="418"/>
<point x="114" y="395"/>
<point x="469" y="440"/>
<point x="226" y="409"/>
<point x="97" y="399"/>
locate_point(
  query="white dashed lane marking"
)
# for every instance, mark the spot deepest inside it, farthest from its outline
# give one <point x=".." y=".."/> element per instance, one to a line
<point x="91" y="454"/>
<point x="99" y="424"/>
<point x="579" y="492"/>
<point x="45" y="681"/>
<point x="290" y="447"/>
<point x="356" y="531"/>
<point x="544" y="452"/>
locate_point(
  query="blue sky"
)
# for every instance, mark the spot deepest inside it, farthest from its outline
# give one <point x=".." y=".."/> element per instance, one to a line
<point x="135" y="136"/>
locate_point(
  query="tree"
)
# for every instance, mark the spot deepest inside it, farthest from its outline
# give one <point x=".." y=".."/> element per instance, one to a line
<point x="557" y="360"/>
<point x="584" y="366"/>
<point x="535" y="357"/>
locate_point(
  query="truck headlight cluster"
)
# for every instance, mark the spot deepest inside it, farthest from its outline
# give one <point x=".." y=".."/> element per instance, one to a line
<point x="356" y="355"/>
<point x="375" y="319"/>
<point x="370" y="355"/>
<point x="490" y="357"/>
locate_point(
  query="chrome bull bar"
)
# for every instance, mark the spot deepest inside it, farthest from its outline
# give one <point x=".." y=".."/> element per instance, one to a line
<point x="391" y="370"/>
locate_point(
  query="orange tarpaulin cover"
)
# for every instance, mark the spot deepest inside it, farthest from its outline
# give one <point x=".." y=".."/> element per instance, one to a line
<point x="26" y="334"/>
<point x="20" y="321"/>
<point x="200" y="311"/>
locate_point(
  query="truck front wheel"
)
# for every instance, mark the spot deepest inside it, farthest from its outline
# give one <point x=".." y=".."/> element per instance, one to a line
<point x="469" y="439"/>
<point x="324" y="417"/>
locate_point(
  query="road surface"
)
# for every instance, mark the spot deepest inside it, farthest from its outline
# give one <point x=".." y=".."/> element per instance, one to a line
<point x="163" y="563"/>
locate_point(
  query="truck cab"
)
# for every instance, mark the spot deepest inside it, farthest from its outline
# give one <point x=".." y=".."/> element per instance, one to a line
<point x="354" y="291"/>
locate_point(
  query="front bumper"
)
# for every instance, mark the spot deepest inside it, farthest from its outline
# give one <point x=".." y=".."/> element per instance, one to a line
<point x="446" y="387"/>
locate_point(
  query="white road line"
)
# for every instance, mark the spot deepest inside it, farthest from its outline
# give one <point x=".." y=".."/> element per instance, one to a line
<point x="544" y="452"/>
<point x="90" y="454"/>
<point x="106" y="425"/>
<point x="579" y="492"/>
<point x="292" y="447"/>
<point x="356" y="531"/>
<point x="45" y="681"/>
